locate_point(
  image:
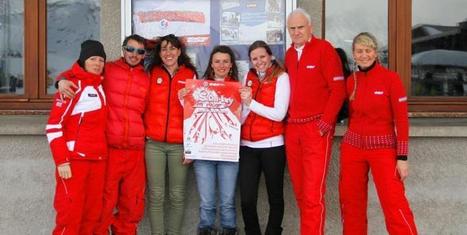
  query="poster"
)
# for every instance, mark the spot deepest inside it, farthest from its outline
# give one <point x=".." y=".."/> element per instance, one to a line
<point x="211" y="126"/>
<point x="204" y="24"/>
<point x="243" y="22"/>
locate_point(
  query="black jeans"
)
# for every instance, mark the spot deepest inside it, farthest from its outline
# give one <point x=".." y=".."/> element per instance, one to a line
<point x="253" y="161"/>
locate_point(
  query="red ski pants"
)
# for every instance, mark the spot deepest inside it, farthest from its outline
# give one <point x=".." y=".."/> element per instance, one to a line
<point x="353" y="188"/>
<point x="78" y="200"/>
<point x="124" y="189"/>
<point x="308" y="155"/>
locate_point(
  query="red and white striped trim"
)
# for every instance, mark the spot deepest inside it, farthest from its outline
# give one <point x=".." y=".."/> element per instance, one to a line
<point x="324" y="127"/>
<point x="54" y="135"/>
<point x="338" y="78"/>
<point x="369" y="141"/>
<point x="304" y="120"/>
<point x="402" y="148"/>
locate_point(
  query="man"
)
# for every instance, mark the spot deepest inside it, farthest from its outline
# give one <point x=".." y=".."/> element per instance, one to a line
<point x="317" y="93"/>
<point x="126" y="85"/>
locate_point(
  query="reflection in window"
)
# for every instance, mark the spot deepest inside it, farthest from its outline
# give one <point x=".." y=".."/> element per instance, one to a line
<point x="11" y="47"/>
<point x="439" y="48"/>
<point x="346" y="19"/>
<point x="68" y="24"/>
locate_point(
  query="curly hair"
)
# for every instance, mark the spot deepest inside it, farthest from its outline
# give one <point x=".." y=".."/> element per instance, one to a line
<point x="173" y="40"/>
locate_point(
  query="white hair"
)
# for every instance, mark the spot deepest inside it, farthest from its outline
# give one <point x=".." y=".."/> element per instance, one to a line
<point x="302" y="12"/>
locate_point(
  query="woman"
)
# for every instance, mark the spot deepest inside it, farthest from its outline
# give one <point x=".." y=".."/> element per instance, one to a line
<point x="76" y="134"/>
<point x="265" y="99"/>
<point x="169" y="69"/>
<point x="376" y="140"/>
<point x="221" y="67"/>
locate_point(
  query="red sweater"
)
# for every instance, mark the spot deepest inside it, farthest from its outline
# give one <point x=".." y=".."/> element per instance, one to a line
<point x="126" y="89"/>
<point x="317" y="88"/>
<point x="255" y="126"/>
<point x="76" y="127"/>
<point x="163" y="118"/>
<point x="378" y="114"/>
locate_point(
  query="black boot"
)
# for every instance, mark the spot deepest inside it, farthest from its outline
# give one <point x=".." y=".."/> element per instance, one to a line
<point x="206" y="231"/>
<point x="228" y="231"/>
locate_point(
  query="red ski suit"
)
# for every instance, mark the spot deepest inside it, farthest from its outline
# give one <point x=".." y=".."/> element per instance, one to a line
<point x="126" y="89"/>
<point x="317" y="91"/>
<point x="377" y="132"/>
<point x="76" y="134"/>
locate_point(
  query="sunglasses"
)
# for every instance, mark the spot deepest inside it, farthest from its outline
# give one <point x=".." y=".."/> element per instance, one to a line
<point x="132" y="50"/>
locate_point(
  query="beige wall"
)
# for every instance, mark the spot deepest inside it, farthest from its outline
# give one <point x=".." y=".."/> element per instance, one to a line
<point x="436" y="187"/>
<point x="111" y="28"/>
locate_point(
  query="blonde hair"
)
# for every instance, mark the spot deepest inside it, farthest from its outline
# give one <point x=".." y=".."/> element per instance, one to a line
<point x="365" y="39"/>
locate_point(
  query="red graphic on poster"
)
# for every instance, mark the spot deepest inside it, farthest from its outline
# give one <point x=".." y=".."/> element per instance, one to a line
<point x="212" y="120"/>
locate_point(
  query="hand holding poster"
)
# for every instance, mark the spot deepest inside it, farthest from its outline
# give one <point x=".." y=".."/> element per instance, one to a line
<point x="211" y="127"/>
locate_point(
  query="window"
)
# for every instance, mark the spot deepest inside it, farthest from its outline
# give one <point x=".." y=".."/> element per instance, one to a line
<point x="428" y="50"/>
<point x="39" y="39"/>
<point x="345" y="19"/>
<point x="439" y="48"/>
<point x="11" y="47"/>
<point x="68" y="24"/>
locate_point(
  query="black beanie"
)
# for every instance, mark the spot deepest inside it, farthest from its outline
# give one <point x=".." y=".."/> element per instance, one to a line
<point x="90" y="48"/>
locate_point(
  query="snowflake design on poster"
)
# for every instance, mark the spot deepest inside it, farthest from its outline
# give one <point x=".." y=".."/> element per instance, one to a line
<point x="212" y="117"/>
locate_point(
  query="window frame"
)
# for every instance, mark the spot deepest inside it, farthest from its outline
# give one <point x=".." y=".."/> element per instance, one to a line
<point x="400" y="54"/>
<point x="418" y="104"/>
<point x="34" y="62"/>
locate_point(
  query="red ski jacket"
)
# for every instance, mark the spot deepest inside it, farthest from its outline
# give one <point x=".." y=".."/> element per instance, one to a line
<point x="378" y="116"/>
<point x="126" y="90"/>
<point x="76" y="127"/>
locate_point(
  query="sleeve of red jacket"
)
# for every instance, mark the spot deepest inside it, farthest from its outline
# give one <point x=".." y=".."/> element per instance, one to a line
<point x="400" y="112"/>
<point x="61" y="76"/>
<point x="54" y="129"/>
<point x="332" y="72"/>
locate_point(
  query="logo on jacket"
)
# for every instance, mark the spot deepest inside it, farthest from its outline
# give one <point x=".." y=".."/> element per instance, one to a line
<point x="310" y="66"/>
<point x="159" y="80"/>
<point x="92" y="95"/>
<point x="249" y="83"/>
<point x="379" y="92"/>
<point x="59" y="102"/>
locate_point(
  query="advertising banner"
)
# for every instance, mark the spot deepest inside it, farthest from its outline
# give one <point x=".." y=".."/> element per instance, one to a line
<point x="211" y="127"/>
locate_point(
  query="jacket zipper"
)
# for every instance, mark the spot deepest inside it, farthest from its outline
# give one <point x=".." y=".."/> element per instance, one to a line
<point x="126" y="126"/>
<point x="81" y="118"/>
<point x="365" y="97"/>
<point x="168" y="107"/>
<point x="254" y="117"/>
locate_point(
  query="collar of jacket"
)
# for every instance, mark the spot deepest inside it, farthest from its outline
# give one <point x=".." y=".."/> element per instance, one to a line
<point x="367" y="69"/>
<point x="85" y="76"/>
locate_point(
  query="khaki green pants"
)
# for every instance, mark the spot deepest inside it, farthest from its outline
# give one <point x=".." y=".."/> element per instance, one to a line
<point x="164" y="162"/>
